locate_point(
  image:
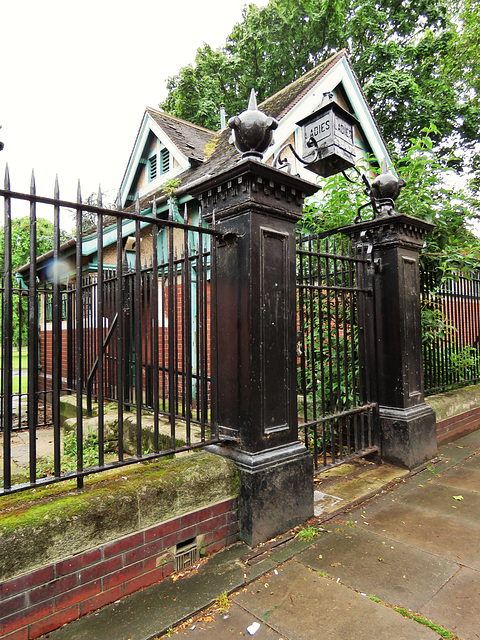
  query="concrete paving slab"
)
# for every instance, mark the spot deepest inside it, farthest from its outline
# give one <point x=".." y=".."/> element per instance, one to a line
<point x="457" y="605"/>
<point x="454" y="453"/>
<point x="153" y="610"/>
<point x="234" y="624"/>
<point x="368" y="562"/>
<point x="467" y="477"/>
<point x="473" y="462"/>
<point x="428" y="531"/>
<point x="367" y="482"/>
<point x="442" y="499"/>
<point x="301" y="605"/>
<point x="470" y="440"/>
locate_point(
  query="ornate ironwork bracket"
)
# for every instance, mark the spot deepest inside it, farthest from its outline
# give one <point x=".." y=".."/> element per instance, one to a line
<point x="283" y="163"/>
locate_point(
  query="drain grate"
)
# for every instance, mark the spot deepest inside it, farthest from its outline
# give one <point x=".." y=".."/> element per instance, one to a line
<point x="186" y="554"/>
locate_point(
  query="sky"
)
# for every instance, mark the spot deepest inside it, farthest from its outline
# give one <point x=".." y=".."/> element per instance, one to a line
<point x="75" y="78"/>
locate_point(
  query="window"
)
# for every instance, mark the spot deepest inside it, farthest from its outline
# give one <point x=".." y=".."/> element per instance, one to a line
<point x="152" y="167"/>
<point x="164" y="160"/>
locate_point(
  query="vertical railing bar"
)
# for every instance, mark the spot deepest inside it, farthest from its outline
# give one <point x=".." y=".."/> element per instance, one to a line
<point x="171" y="329"/>
<point x="201" y="320"/>
<point x="79" y="338"/>
<point x="187" y="389"/>
<point x="213" y="336"/>
<point x="100" y="336"/>
<point x="120" y="345"/>
<point x="154" y="329"/>
<point x="138" y="310"/>
<point x="70" y="345"/>
<point x="337" y="259"/>
<point x="33" y="339"/>
<point x="7" y="354"/>
<point x="57" y="336"/>
<point x="164" y="329"/>
<point x="176" y="321"/>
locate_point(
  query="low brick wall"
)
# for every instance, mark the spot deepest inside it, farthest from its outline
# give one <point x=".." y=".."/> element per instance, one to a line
<point x="49" y="594"/>
<point x="457" y="412"/>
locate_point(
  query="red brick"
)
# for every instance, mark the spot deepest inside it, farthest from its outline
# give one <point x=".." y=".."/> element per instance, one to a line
<point x="154" y="533"/>
<point x="222" y="507"/>
<point x="20" y="634"/>
<point x="78" y="562"/>
<point x="123" y="575"/>
<point x="77" y="595"/>
<point x="51" y="589"/>
<point x="101" y="569"/>
<point x="179" y="536"/>
<point x="224" y="532"/>
<point x="100" y="600"/>
<point x="53" y="622"/>
<point x="145" y="551"/>
<point x="12" y="606"/>
<point x="215" y="547"/>
<point x="145" y="580"/>
<point x="195" y="517"/>
<point x="171" y="526"/>
<point x="119" y="546"/>
<point x="27" y="616"/>
<point x="28" y="581"/>
<point x="167" y="569"/>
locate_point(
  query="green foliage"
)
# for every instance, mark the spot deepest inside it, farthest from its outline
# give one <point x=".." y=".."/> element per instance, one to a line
<point x="20" y="256"/>
<point x="308" y="534"/>
<point x="416" y="61"/>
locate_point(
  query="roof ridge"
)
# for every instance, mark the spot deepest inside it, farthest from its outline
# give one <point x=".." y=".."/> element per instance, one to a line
<point x="316" y="72"/>
<point x="169" y="115"/>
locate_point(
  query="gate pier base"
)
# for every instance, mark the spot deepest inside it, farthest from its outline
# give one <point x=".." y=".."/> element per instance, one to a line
<point x="276" y="489"/>
<point x="256" y="207"/>
<point x="408" y="435"/>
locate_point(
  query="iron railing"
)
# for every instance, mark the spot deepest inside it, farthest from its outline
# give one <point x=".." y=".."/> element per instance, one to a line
<point x="336" y="412"/>
<point x="450" y="329"/>
<point x="131" y="343"/>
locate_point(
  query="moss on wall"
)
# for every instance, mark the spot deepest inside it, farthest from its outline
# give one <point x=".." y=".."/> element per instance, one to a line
<point x="42" y="526"/>
<point x="455" y="402"/>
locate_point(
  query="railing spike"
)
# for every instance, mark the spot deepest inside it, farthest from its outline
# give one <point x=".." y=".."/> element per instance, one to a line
<point x="137" y="204"/>
<point x="32" y="184"/>
<point x="185" y="213"/>
<point x="56" y="190"/>
<point x="79" y="192"/>
<point x="99" y="197"/>
<point x="7" y="178"/>
<point x="118" y="200"/>
<point x="154" y="208"/>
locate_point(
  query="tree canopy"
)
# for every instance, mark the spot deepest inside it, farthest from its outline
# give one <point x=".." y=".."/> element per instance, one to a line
<point x="417" y="62"/>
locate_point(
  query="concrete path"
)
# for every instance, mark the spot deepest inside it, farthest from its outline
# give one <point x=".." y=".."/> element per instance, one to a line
<point x="414" y="547"/>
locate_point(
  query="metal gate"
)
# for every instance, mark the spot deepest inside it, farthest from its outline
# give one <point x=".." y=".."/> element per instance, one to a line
<point x="335" y="323"/>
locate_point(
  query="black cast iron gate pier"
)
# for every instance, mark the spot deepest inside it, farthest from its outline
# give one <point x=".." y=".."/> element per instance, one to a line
<point x="337" y="418"/>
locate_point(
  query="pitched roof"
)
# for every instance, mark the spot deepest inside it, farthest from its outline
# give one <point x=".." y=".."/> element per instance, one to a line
<point x="190" y="138"/>
<point x="281" y="102"/>
<point x="225" y="155"/>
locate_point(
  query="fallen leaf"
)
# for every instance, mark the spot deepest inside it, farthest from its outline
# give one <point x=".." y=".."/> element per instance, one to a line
<point x="458" y="497"/>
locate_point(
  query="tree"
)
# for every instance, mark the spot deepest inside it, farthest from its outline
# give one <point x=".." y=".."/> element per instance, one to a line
<point x="403" y="54"/>
<point x="20" y="256"/>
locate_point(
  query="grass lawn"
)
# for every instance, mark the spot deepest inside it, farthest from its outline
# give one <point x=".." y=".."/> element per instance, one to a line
<point x="19" y="362"/>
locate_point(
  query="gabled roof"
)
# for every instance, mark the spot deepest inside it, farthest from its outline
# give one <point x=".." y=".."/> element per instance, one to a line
<point x="214" y="151"/>
<point x="188" y="137"/>
<point x="281" y="102"/>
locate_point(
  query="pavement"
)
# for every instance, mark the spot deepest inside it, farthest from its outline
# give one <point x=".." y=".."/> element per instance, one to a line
<point x="397" y="559"/>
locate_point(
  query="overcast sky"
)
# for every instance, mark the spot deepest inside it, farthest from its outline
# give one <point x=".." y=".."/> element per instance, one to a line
<point x="75" y="78"/>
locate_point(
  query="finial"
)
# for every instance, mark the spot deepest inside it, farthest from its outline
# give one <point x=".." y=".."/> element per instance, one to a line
<point x="252" y="130"/>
